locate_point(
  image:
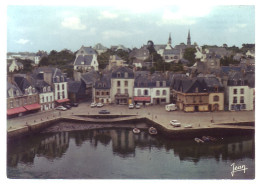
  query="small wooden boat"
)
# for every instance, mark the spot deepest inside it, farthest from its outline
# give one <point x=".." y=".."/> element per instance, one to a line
<point x="136" y="130"/>
<point x="205" y="139"/>
<point x="198" y="140"/>
<point x="212" y="138"/>
<point x="152" y="130"/>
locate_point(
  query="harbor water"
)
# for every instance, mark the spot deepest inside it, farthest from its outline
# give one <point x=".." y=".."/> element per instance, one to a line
<point x="118" y="153"/>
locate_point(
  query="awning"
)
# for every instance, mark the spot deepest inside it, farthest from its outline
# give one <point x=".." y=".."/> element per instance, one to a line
<point x="146" y="99"/>
<point x="32" y="107"/>
<point x="62" y="100"/>
<point x="15" y="110"/>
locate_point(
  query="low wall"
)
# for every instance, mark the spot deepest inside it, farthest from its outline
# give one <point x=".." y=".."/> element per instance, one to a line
<point x="176" y="133"/>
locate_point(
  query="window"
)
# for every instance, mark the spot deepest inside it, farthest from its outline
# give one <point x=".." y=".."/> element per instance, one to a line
<point x="126" y="74"/>
<point x="118" y="75"/>
<point x="118" y="91"/>
<point x="157" y="83"/>
<point x="17" y="93"/>
<point x="35" y="98"/>
<point x="49" y="88"/>
<point x="50" y="98"/>
<point x="17" y="102"/>
<point x="126" y="91"/>
<point x="235" y="91"/>
<point x="242" y="99"/>
<point x="42" y="99"/>
<point x="196" y="89"/>
<point x="47" y="99"/>
<point x="25" y="101"/>
<point x="58" y="87"/>
<point x="139" y="92"/>
<point x="63" y="95"/>
<point x="118" y="83"/>
<point x="164" y="92"/>
<point x="232" y="107"/>
<point x="164" y="83"/>
<point x="242" y="91"/>
<point x="107" y="92"/>
<point x="216" y="98"/>
<point x="146" y="92"/>
<point x="126" y="83"/>
<point x="216" y="89"/>
<point x="44" y="89"/>
<point x="11" y="104"/>
<point x="234" y="100"/>
<point x="102" y="93"/>
<point x="62" y="86"/>
<point x="243" y="107"/>
<point x="157" y="92"/>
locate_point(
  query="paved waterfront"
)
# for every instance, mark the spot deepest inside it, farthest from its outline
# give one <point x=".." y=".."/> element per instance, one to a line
<point x="156" y="113"/>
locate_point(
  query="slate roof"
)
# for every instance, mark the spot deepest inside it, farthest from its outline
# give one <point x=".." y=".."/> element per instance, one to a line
<point x="38" y="73"/>
<point x="89" y="77"/>
<point x="227" y="69"/>
<point x="104" y="82"/>
<point x="88" y="50"/>
<point x="87" y="59"/>
<point x="74" y="86"/>
<point x="40" y="84"/>
<point x="121" y="71"/>
<point x="21" y="82"/>
<point x="171" y="52"/>
<point x="15" y="88"/>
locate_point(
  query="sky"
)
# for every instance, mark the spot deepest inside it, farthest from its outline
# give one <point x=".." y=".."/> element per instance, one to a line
<point x="33" y="28"/>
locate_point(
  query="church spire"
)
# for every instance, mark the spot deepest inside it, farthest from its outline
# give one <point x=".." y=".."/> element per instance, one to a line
<point x="170" y="39"/>
<point x="188" y="39"/>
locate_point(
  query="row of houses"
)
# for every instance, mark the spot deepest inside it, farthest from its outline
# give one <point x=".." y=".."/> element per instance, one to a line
<point x="42" y="90"/>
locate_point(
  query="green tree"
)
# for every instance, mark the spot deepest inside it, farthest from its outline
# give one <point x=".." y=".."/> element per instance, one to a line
<point x="189" y="54"/>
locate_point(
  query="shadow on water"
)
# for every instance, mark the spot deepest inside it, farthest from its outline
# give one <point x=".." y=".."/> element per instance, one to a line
<point x="125" y="145"/>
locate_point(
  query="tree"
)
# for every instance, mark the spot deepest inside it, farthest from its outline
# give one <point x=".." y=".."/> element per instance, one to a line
<point x="44" y="62"/>
<point x="27" y="65"/>
<point x="189" y="54"/>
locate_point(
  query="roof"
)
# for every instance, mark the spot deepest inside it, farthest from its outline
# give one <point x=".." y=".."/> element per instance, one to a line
<point x="74" y="86"/>
<point x="104" y="82"/>
<point x="89" y="77"/>
<point x="21" y="82"/>
<point x="17" y="92"/>
<point x="99" y="46"/>
<point x="83" y="60"/>
<point x="171" y="52"/>
<point x="227" y="69"/>
<point x="122" y="71"/>
<point x="86" y="51"/>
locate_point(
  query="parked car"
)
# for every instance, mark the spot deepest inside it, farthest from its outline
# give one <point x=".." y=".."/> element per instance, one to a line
<point x="99" y="105"/>
<point x="104" y="112"/>
<point x="67" y="106"/>
<point x="61" y="108"/>
<point x="74" y="104"/>
<point x="137" y="106"/>
<point x="131" y="106"/>
<point x="93" y="105"/>
<point x="175" y="123"/>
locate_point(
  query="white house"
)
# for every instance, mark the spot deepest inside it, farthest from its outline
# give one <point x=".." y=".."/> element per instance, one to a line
<point x="239" y="93"/>
<point x="86" y="59"/>
<point x="15" y="66"/>
<point x="122" y="85"/>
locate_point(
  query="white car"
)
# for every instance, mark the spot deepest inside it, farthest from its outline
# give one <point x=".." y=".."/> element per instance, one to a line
<point x="131" y="106"/>
<point x="175" y="123"/>
<point x="99" y="105"/>
<point x="92" y="105"/>
<point x="137" y="106"/>
<point x="61" y="108"/>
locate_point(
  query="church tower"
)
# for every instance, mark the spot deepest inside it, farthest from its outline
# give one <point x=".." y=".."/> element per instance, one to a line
<point x="188" y="39"/>
<point x="170" y="39"/>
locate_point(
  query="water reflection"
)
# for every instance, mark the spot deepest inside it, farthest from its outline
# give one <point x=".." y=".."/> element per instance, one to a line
<point x="124" y="144"/>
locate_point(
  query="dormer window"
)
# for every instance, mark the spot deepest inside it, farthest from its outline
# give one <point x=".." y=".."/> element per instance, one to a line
<point x="126" y="74"/>
<point x="44" y="89"/>
<point x="17" y="93"/>
<point x="49" y="88"/>
<point x="118" y="75"/>
<point x="82" y="62"/>
<point x="33" y="90"/>
<point x="58" y="79"/>
<point x="26" y="91"/>
<point x="11" y="92"/>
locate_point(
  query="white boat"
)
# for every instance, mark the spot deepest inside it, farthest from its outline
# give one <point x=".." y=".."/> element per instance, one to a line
<point x="198" y="140"/>
<point x="136" y="130"/>
<point x="175" y="123"/>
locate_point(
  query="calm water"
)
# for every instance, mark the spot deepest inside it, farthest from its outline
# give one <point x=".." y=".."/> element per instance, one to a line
<point x="120" y="154"/>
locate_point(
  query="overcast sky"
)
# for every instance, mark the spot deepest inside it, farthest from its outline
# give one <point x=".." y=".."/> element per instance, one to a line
<point x="33" y="28"/>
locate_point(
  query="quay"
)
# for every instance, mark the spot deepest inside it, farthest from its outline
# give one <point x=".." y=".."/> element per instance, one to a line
<point x="211" y="123"/>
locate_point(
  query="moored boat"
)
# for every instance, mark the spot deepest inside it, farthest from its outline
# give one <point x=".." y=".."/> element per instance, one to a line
<point x="188" y="126"/>
<point x="152" y="130"/>
<point x="205" y="139"/>
<point x="136" y="130"/>
<point x="198" y="140"/>
<point x="212" y="138"/>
